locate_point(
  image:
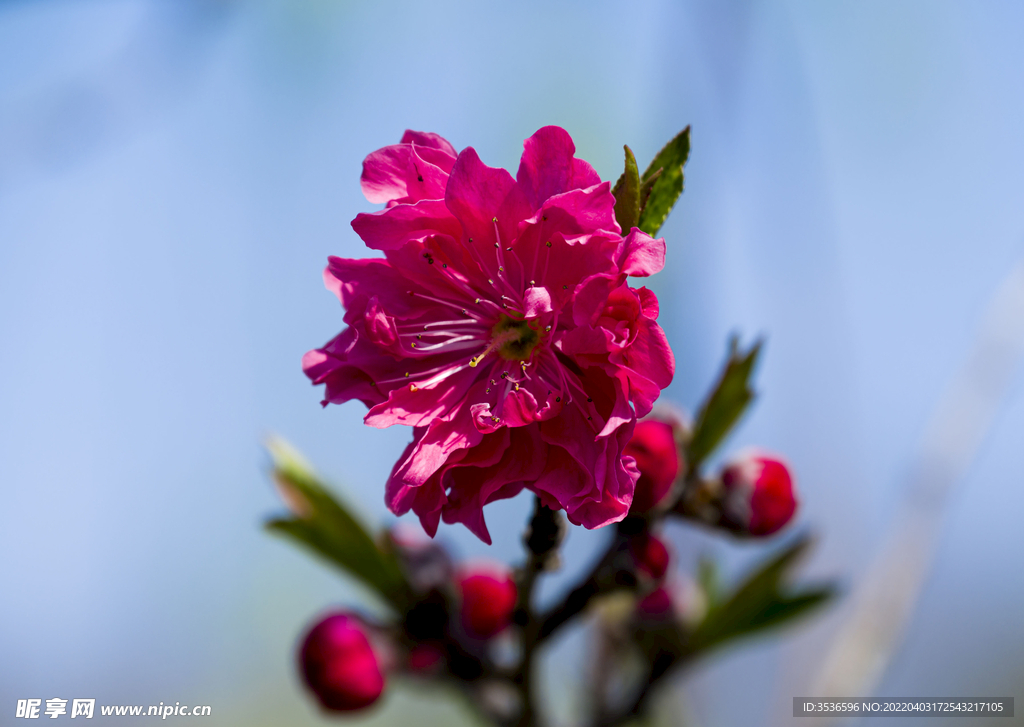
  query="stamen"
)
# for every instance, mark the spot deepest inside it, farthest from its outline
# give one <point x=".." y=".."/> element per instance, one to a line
<point x="448" y="342"/>
<point x="448" y="303"/>
<point x="421" y="373"/>
<point x="438" y="378"/>
<point x="457" y="322"/>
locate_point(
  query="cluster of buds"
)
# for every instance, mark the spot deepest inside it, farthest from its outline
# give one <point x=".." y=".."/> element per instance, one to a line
<point x="460" y="611"/>
<point x="449" y="629"/>
<point x="752" y="495"/>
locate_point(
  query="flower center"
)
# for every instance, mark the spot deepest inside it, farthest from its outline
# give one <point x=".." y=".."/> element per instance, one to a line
<point x="511" y="339"/>
<point x="520" y="338"/>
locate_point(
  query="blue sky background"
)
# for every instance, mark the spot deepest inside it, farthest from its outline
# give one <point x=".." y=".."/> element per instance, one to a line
<point x="173" y="176"/>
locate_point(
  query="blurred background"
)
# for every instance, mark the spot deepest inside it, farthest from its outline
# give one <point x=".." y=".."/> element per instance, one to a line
<point x="174" y="174"/>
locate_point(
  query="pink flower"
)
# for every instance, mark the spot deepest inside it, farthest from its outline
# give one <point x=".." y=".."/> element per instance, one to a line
<point x="339" y="665"/>
<point x="499" y="326"/>
<point x="759" y="495"/>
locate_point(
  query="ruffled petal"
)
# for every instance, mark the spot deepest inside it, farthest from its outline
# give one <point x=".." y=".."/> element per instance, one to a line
<point x="548" y="166"/>
<point x="641" y="255"/>
<point x="417" y="405"/>
<point x="391" y="228"/>
<point x="431" y="141"/>
<point x="400" y="173"/>
<point x="509" y="459"/>
<point x="648" y="365"/>
<point x="488" y="203"/>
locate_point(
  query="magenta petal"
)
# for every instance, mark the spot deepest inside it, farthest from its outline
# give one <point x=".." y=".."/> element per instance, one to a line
<point x="425" y="497"/>
<point x="649" y="302"/>
<point x="415" y="406"/>
<point x="355" y="281"/>
<point x="548" y="166"/>
<point x="400" y="174"/>
<point x="536" y="301"/>
<point x="431" y="448"/>
<point x="521" y="408"/>
<point x="429" y="140"/>
<point x="337" y="365"/>
<point x="477" y="481"/>
<point x="393" y="227"/>
<point x="584" y="473"/>
<point x="641" y="254"/>
<point x="380" y="327"/>
<point x="648" y="364"/>
<point x="487" y="202"/>
<point x="484" y="419"/>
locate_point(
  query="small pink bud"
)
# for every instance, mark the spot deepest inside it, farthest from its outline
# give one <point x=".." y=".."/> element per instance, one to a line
<point x="488" y="600"/>
<point x="650" y="555"/>
<point x="339" y="664"/>
<point x="656" y="605"/>
<point x="759" y="493"/>
<point x="653" y="446"/>
<point x="424" y="658"/>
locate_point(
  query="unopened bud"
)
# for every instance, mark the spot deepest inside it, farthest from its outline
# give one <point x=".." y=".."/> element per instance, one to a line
<point x="656" y="605"/>
<point x="653" y="446"/>
<point x="424" y="658"/>
<point x="759" y="497"/>
<point x="339" y="665"/>
<point x="650" y="555"/>
<point x="488" y="596"/>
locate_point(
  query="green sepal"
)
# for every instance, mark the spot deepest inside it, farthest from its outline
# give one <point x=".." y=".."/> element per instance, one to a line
<point x="764" y="600"/>
<point x="627" y="195"/>
<point x="727" y="402"/>
<point x="322" y="524"/>
<point x="666" y="188"/>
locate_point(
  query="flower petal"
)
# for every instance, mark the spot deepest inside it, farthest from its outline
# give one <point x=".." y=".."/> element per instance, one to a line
<point x="476" y="482"/>
<point x="478" y="195"/>
<point x="548" y="166"/>
<point x="393" y="227"/>
<point x="418" y="406"/>
<point x="430" y="140"/>
<point x="402" y="173"/>
<point x="642" y="255"/>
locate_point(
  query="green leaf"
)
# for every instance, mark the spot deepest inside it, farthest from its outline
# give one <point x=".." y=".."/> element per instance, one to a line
<point x="329" y="529"/>
<point x="627" y="197"/>
<point x="709" y="580"/>
<point x="725" y="405"/>
<point x="666" y="188"/>
<point x="646" y="187"/>
<point x="762" y="601"/>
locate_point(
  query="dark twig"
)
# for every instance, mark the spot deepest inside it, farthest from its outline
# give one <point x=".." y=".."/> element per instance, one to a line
<point x="542" y="538"/>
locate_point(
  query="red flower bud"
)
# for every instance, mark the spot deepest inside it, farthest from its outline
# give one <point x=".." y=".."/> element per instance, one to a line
<point x="759" y="493"/>
<point x="653" y="446"/>
<point x="656" y="605"/>
<point x="339" y="664"/>
<point x="488" y="599"/>
<point x="424" y="658"/>
<point x="650" y="555"/>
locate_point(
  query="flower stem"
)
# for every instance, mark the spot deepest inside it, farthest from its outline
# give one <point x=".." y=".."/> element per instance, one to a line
<point x="542" y="538"/>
